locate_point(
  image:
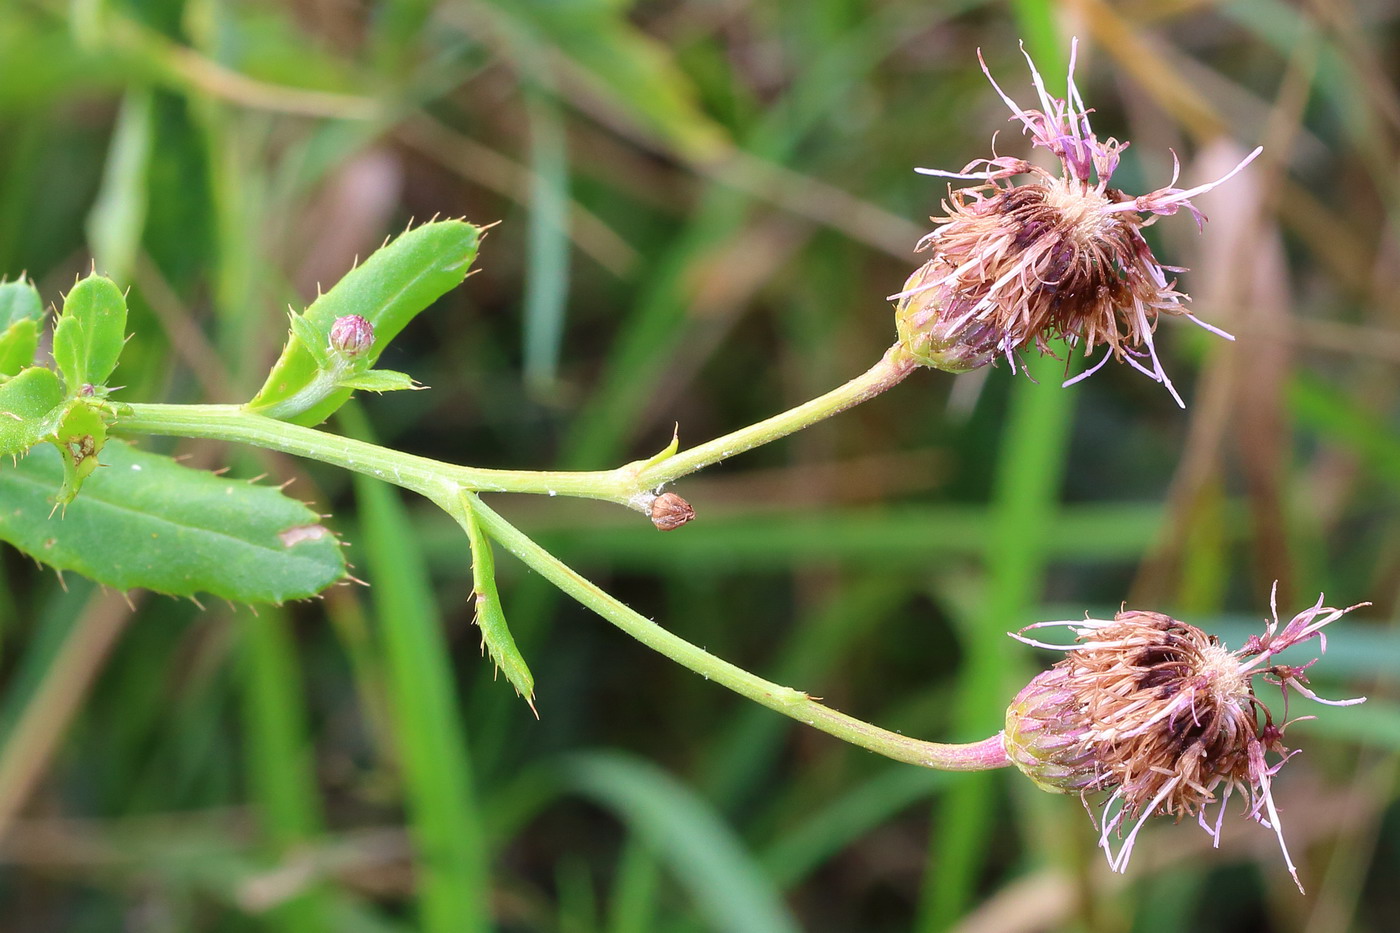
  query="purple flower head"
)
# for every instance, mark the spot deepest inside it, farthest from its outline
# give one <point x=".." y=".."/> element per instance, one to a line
<point x="1155" y="717"/>
<point x="1016" y="264"/>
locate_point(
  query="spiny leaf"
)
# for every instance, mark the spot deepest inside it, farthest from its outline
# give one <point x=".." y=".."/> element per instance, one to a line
<point x="397" y="282"/>
<point x="18" y="344"/>
<point x="380" y="380"/>
<point x="146" y="521"/>
<point x="490" y="617"/>
<point x="90" y="333"/>
<point x="19" y="301"/>
<point x="80" y="437"/>
<point x="31" y="407"/>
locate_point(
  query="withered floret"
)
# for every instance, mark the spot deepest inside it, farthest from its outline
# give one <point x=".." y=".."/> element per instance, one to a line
<point x="1017" y="264"/>
<point x="1161" y="718"/>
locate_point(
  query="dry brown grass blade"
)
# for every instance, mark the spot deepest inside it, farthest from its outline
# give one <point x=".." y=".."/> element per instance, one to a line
<point x="32" y="744"/>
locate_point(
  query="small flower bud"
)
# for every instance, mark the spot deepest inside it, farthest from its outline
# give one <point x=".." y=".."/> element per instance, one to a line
<point x="352" y="335"/>
<point x="669" y="511"/>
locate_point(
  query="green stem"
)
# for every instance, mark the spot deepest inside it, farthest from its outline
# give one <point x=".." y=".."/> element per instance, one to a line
<point x="632" y="485"/>
<point x="431" y="478"/>
<point x="891" y="370"/>
<point x="975" y="756"/>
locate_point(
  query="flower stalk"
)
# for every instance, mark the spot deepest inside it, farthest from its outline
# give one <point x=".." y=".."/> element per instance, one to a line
<point x="634" y="485"/>
<point x="976" y="756"/>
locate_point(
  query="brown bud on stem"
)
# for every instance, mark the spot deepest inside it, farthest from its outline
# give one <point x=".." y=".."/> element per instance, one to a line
<point x="669" y="511"/>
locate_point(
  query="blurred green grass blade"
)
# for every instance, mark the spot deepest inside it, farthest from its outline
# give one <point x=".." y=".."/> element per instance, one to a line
<point x="279" y="755"/>
<point x="729" y="890"/>
<point x="1041" y="34"/>
<point x="577" y="902"/>
<point x="657" y="327"/>
<point x="751" y="742"/>
<point x="616" y="60"/>
<point x="1168" y="902"/>
<point x="1336" y="416"/>
<point x="794" y="855"/>
<point x="1030" y="466"/>
<point x="910" y="536"/>
<point x="453" y="890"/>
<point x="547" y="242"/>
<point x="635" y="887"/>
<point x="45" y="635"/>
<point x="1375" y="722"/>
<point x="118" y="216"/>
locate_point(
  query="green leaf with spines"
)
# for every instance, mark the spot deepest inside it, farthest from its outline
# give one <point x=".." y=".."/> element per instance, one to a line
<point x="21" y="313"/>
<point x="91" y="330"/>
<point x="146" y="521"/>
<point x="490" y="617"/>
<point x="380" y="380"/>
<point x="31" y="407"/>
<point x="18" y="344"/>
<point x="79" y="438"/>
<point x="388" y="289"/>
<point x="19" y="301"/>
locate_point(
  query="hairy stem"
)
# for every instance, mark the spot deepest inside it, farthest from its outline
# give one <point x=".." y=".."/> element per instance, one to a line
<point x="632" y="485"/>
<point x="890" y="371"/>
<point x="976" y="756"/>
<point x="431" y="478"/>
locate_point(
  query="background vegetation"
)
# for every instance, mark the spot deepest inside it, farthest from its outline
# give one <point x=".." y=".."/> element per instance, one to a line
<point x="703" y="204"/>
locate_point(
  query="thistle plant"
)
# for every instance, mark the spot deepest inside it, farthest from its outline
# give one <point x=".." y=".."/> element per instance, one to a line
<point x="1145" y="710"/>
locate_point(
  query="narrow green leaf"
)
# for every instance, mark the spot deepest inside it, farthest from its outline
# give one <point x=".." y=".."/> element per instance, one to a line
<point x="397" y="282"/>
<point x="731" y="891"/>
<point x="90" y="333"/>
<point x="490" y="617"/>
<point x="118" y="216"/>
<point x="31" y="406"/>
<point x="380" y="380"/>
<point x="622" y="64"/>
<point x="547" y="276"/>
<point x="146" y="521"/>
<point x="453" y="857"/>
<point x="19" y="301"/>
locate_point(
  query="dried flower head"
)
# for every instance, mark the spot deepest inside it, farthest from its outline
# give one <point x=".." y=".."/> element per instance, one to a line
<point x="1018" y="263"/>
<point x="1162" y="718"/>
